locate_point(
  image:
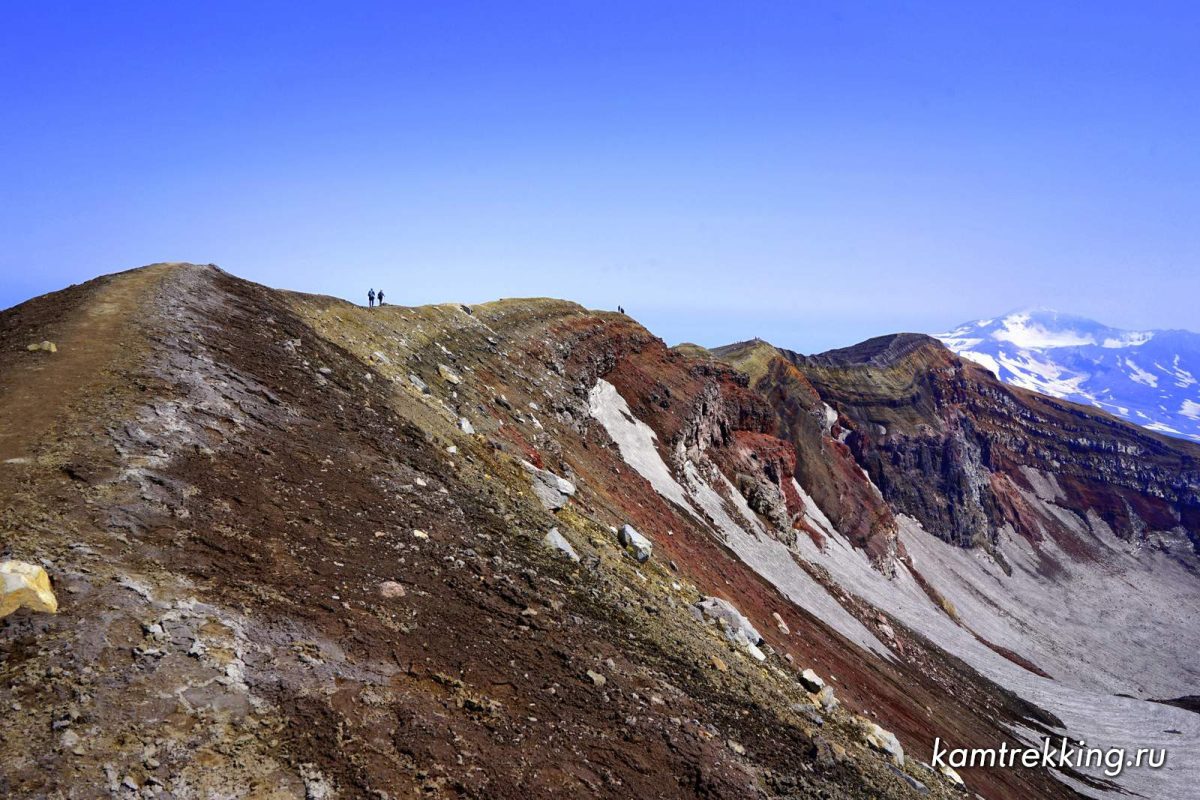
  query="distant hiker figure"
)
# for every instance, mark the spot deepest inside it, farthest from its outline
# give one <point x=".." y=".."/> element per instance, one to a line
<point x="620" y="310"/>
<point x="370" y="298"/>
<point x="381" y="297"/>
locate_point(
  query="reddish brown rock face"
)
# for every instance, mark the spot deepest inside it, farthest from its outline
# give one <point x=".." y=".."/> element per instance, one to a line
<point x="824" y="466"/>
<point x="950" y="445"/>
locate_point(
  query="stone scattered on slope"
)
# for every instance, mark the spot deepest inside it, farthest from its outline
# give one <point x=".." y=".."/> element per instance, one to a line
<point x="27" y="585"/>
<point x="949" y="773"/>
<point x="553" y="491"/>
<point x="635" y="542"/>
<point x="827" y="699"/>
<point x="779" y="623"/>
<point x="915" y="784"/>
<point x="737" y="627"/>
<point x="449" y="375"/>
<point x="557" y="541"/>
<point x="811" y="681"/>
<point x="419" y="384"/>
<point x="391" y="589"/>
<point x="465" y="426"/>
<point x="883" y="741"/>
<point x="49" y="347"/>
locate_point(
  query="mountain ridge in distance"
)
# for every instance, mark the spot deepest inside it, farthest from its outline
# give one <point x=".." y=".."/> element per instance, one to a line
<point x="1148" y="377"/>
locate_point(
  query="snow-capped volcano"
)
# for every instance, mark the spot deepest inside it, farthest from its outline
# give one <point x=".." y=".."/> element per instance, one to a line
<point x="1151" y="378"/>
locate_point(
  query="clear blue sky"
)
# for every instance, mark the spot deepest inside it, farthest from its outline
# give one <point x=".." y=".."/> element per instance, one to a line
<point x="810" y="173"/>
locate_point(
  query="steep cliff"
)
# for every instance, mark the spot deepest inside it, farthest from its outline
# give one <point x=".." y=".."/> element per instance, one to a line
<point x="950" y="445"/>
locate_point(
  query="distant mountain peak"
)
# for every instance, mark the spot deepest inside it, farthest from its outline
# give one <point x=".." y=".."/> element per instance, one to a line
<point x="1149" y="377"/>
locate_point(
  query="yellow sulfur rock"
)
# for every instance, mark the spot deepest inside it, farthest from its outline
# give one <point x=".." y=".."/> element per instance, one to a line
<point x="49" y="347"/>
<point x="23" y="584"/>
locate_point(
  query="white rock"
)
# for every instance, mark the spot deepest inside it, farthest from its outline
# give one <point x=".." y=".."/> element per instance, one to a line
<point x="465" y="426"/>
<point x="550" y="489"/>
<point x="884" y="741"/>
<point x="737" y="628"/>
<point x="811" y="681"/>
<point x="557" y="541"/>
<point x="949" y="773"/>
<point x="449" y="375"/>
<point x="633" y="541"/>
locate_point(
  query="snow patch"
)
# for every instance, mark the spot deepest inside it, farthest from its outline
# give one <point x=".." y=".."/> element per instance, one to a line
<point x="635" y="439"/>
<point x="1021" y="330"/>
<point x="1140" y="375"/>
<point x="983" y="359"/>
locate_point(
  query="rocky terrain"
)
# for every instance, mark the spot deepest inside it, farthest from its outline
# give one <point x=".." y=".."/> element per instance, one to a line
<point x="305" y="549"/>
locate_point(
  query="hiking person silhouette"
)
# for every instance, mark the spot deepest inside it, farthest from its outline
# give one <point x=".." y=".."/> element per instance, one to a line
<point x="381" y="297"/>
<point x="370" y="298"/>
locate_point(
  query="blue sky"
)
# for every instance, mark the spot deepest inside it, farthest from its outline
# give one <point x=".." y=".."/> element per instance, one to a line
<point x="811" y="173"/>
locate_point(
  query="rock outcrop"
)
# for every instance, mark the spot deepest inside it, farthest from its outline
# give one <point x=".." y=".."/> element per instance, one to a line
<point x="950" y="445"/>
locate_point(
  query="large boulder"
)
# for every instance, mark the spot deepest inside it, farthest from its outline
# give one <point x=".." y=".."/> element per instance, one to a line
<point x="737" y="627"/>
<point x="637" y="544"/>
<point x="553" y="491"/>
<point x="24" y="584"/>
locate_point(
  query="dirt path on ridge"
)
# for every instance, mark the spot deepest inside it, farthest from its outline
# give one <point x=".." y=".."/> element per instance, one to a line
<point x="38" y="389"/>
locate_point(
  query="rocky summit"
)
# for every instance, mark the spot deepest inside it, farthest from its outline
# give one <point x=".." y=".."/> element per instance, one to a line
<point x="265" y="544"/>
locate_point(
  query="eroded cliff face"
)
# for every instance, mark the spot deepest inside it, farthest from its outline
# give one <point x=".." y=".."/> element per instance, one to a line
<point x="950" y="445"/>
<point x="825" y="467"/>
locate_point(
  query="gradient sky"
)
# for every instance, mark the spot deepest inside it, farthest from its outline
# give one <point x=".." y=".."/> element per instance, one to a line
<point x="812" y="173"/>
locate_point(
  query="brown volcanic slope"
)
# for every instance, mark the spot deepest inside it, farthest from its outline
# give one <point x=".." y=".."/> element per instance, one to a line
<point x="220" y="478"/>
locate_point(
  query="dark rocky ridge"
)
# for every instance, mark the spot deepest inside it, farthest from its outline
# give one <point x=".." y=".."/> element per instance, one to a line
<point x="947" y="443"/>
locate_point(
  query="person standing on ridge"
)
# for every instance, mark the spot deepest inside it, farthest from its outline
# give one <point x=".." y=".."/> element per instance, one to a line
<point x="370" y="298"/>
<point x="381" y="297"/>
